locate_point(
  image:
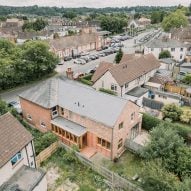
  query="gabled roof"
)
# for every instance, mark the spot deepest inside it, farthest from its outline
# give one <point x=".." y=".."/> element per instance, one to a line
<point x="162" y="43"/>
<point x="73" y="41"/>
<point x="103" y="67"/>
<point x="77" y="98"/>
<point x="130" y="70"/>
<point x="13" y="137"/>
<point x="128" y="57"/>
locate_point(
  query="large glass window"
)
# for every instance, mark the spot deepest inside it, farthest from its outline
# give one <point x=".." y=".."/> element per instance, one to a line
<point x="120" y="143"/>
<point x="16" y="158"/>
<point x="103" y="143"/>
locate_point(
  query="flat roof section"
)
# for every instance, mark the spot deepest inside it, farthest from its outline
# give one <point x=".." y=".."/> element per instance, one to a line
<point x="25" y="179"/>
<point x="69" y="126"/>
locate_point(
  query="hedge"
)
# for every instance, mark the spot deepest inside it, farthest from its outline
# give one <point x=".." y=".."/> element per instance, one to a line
<point x="149" y="122"/>
<point x="107" y="91"/>
<point x="88" y="77"/>
<point x="87" y="82"/>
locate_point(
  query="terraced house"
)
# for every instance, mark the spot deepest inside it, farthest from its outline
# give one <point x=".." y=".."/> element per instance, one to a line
<point x="81" y="116"/>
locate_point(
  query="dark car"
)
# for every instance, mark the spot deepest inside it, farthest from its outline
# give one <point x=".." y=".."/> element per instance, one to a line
<point x="67" y="58"/>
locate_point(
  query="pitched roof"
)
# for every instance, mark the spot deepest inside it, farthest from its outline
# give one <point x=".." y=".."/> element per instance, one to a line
<point x="103" y="67"/>
<point x="130" y="70"/>
<point x="128" y="57"/>
<point x="162" y="43"/>
<point x="77" y="98"/>
<point x="73" y="41"/>
<point x="13" y="137"/>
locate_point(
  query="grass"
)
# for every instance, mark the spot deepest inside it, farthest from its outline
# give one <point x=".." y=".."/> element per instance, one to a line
<point x="127" y="166"/>
<point x="74" y="171"/>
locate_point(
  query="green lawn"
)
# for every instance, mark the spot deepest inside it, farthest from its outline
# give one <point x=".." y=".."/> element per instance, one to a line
<point x="127" y="166"/>
<point x="74" y="171"/>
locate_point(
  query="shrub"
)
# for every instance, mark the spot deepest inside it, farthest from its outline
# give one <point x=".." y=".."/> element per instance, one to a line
<point x="107" y="91"/>
<point x="149" y="122"/>
<point x="88" y="77"/>
<point x="85" y="81"/>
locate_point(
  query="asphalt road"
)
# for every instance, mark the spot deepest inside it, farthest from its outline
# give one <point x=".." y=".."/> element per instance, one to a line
<point x="129" y="47"/>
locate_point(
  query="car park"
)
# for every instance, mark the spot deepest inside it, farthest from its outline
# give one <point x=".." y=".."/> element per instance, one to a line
<point x="86" y="58"/>
<point x="67" y="58"/>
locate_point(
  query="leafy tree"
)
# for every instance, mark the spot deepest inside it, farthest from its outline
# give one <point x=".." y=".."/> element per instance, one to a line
<point x="174" y="20"/>
<point x="56" y="36"/>
<point x="114" y="24"/>
<point x="157" y="17"/>
<point x="186" y="116"/>
<point x="3" y="107"/>
<point x="187" y="79"/>
<point x="37" y="25"/>
<point x="157" y="178"/>
<point x="172" y="111"/>
<point x="164" y="54"/>
<point x="119" y="56"/>
<point x="69" y="15"/>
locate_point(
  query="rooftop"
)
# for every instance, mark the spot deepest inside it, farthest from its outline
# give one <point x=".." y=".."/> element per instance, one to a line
<point x="13" y="137"/>
<point x="69" y="126"/>
<point x="129" y="70"/>
<point x="137" y="92"/>
<point x="168" y="43"/>
<point x="26" y="179"/>
<point x="167" y="60"/>
<point x="77" y="98"/>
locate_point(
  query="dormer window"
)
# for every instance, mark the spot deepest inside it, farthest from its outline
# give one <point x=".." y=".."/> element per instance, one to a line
<point x="54" y="111"/>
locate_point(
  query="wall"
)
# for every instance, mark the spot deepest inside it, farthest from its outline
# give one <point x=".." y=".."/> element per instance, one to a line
<point x="175" y="54"/>
<point x="106" y="81"/>
<point x="125" y="132"/>
<point x="8" y="170"/>
<point x="38" y="114"/>
<point x="166" y="100"/>
<point x="42" y="185"/>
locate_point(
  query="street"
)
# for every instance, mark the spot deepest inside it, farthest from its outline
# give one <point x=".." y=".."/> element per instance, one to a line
<point x="129" y="47"/>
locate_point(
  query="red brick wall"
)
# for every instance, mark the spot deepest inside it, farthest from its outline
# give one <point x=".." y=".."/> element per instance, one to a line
<point x="37" y="113"/>
<point x="125" y="132"/>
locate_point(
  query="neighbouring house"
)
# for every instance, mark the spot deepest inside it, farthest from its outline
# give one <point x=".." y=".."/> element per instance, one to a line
<point x="144" y="22"/>
<point x="133" y="71"/>
<point x="181" y="34"/>
<point x="17" y="158"/>
<point x="176" y="48"/>
<point x="76" y="44"/>
<point x="81" y="116"/>
<point x="167" y="64"/>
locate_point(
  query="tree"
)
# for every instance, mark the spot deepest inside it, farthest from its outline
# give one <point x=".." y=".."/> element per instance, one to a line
<point x="157" y="178"/>
<point x="56" y="36"/>
<point x="174" y="20"/>
<point x="157" y="17"/>
<point x="3" y="107"/>
<point x="187" y="79"/>
<point x="69" y="15"/>
<point x="165" y="144"/>
<point x="186" y="116"/>
<point x="164" y="54"/>
<point x="172" y="111"/>
<point x="119" y="56"/>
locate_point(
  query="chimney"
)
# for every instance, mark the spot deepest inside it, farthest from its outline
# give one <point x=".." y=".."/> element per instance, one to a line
<point x="70" y="73"/>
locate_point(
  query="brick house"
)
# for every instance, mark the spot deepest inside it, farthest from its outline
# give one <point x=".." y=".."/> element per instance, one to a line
<point x="17" y="158"/>
<point x="81" y="116"/>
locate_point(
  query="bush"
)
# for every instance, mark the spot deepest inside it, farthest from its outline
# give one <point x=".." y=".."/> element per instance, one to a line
<point x="87" y="82"/>
<point x="88" y="77"/>
<point x="149" y="122"/>
<point x="107" y="91"/>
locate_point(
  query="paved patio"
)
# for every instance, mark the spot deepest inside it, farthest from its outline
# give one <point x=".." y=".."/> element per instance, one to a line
<point x="142" y="138"/>
<point x="88" y="152"/>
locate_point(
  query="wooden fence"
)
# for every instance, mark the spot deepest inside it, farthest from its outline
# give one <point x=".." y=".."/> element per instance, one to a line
<point x="112" y="179"/>
<point x="46" y="153"/>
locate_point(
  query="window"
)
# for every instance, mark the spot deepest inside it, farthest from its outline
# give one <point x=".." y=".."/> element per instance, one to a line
<point x="181" y="57"/>
<point x="172" y="49"/>
<point x="181" y="49"/>
<point x="152" y="49"/>
<point x="121" y="125"/>
<point x="103" y="143"/>
<point x="16" y="158"/>
<point x="42" y="124"/>
<point x="62" y="111"/>
<point x="120" y="143"/>
<point x="54" y="111"/>
<point x="113" y="87"/>
<point x="132" y="116"/>
<point x="102" y="84"/>
<point x="29" y="117"/>
<point x="126" y="85"/>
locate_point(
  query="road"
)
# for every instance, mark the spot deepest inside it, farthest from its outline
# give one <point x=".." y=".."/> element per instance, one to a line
<point x="129" y="47"/>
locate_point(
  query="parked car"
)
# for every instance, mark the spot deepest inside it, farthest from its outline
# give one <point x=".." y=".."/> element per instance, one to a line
<point x="67" y="58"/>
<point x="92" y="57"/>
<point x="86" y="58"/>
<point x="16" y="105"/>
<point x="78" y="75"/>
<point x="78" y="61"/>
<point x="102" y="54"/>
